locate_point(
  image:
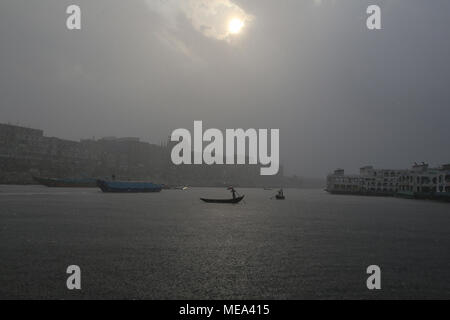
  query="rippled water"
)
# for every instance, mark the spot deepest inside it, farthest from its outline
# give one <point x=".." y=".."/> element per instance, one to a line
<point x="172" y="245"/>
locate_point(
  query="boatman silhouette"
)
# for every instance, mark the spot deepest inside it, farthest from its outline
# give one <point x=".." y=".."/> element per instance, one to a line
<point x="233" y="192"/>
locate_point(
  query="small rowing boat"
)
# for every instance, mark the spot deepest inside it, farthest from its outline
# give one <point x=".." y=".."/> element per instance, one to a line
<point x="235" y="200"/>
<point x="280" y="195"/>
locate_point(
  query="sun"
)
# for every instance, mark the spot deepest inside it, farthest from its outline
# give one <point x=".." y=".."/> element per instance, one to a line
<point x="235" y="26"/>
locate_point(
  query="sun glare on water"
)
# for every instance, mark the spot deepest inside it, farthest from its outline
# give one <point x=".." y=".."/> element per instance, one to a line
<point x="235" y="25"/>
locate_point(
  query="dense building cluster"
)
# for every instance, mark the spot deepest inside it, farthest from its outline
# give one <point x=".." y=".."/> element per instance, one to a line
<point x="26" y="152"/>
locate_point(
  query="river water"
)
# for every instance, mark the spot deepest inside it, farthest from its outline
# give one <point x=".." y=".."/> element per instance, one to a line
<point x="312" y="245"/>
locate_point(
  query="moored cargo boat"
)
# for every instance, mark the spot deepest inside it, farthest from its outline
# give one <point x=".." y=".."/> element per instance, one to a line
<point x="128" y="186"/>
<point x="66" y="183"/>
<point x="443" y="196"/>
<point x="405" y="194"/>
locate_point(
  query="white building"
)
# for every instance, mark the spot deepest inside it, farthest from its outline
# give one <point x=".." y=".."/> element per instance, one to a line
<point x="422" y="181"/>
<point x="418" y="182"/>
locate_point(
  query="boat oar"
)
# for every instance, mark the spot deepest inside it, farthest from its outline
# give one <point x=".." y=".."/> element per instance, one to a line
<point x="239" y="195"/>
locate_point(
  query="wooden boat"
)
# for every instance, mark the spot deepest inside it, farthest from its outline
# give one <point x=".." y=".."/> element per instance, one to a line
<point x="235" y="200"/>
<point x="66" y="183"/>
<point x="280" y="195"/>
<point x="128" y="186"/>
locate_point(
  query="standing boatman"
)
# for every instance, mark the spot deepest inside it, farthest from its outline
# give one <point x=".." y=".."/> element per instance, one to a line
<point x="232" y="191"/>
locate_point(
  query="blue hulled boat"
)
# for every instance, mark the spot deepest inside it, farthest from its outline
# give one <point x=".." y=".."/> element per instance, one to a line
<point x="128" y="186"/>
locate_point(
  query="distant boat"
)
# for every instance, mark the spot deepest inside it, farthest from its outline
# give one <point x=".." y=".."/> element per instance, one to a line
<point x="170" y="187"/>
<point x="66" y="183"/>
<point x="280" y="195"/>
<point x="128" y="186"/>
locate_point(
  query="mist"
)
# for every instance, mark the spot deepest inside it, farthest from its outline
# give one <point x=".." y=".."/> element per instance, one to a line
<point x="341" y="95"/>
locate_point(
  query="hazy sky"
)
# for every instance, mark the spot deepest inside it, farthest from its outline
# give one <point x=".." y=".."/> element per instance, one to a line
<point x="341" y="95"/>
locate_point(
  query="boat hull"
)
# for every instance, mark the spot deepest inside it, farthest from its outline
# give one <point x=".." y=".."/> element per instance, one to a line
<point x="66" y="183"/>
<point x="360" y="193"/>
<point x="128" y="187"/>
<point x="236" y="200"/>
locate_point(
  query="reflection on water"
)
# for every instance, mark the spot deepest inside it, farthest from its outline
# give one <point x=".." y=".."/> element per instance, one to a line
<point x="172" y="245"/>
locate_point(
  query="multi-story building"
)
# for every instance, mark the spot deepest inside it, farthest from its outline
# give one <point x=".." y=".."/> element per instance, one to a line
<point x="418" y="182"/>
<point x="26" y="152"/>
<point x="370" y="181"/>
<point x="424" y="182"/>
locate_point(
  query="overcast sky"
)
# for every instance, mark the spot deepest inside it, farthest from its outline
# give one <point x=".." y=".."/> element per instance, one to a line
<point x="341" y="95"/>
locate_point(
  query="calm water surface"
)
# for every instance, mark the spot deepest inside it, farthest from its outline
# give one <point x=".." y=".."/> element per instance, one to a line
<point x="171" y="245"/>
